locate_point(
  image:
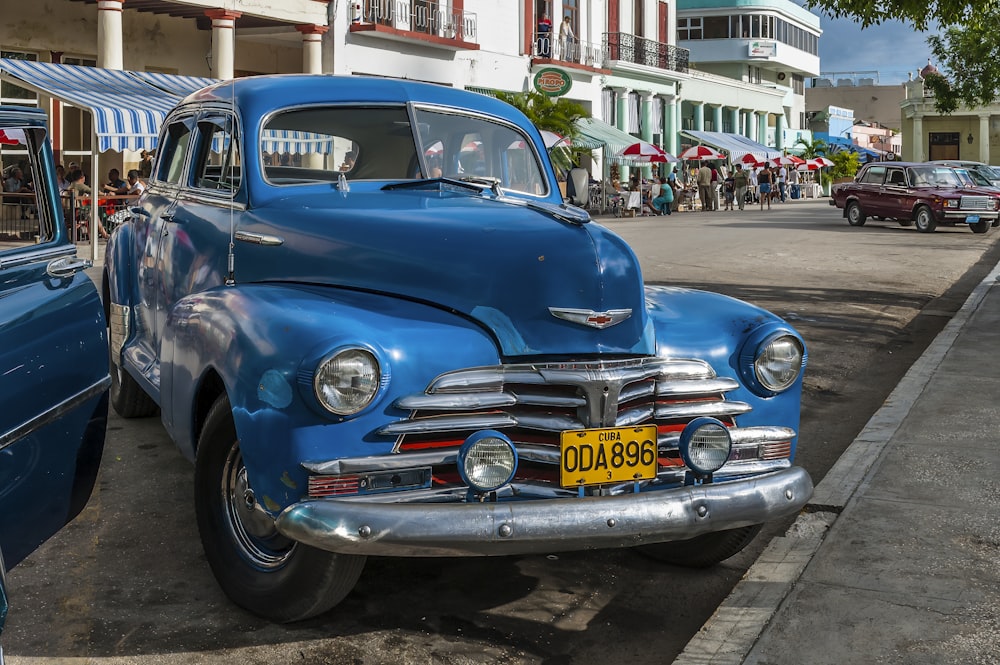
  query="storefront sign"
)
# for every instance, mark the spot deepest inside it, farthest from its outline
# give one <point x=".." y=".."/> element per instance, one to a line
<point x="763" y="49"/>
<point x="552" y="82"/>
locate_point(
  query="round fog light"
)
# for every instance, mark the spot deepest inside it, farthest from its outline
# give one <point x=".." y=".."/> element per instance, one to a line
<point x="705" y="445"/>
<point x="487" y="461"/>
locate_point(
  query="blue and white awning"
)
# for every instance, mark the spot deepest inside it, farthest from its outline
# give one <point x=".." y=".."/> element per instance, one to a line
<point x="736" y="145"/>
<point x="128" y="107"/>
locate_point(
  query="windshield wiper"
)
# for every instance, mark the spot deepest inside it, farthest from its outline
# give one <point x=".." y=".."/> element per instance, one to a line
<point x="484" y="184"/>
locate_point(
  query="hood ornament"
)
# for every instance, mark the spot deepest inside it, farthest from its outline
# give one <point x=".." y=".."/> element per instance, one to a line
<point x="588" y="317"/>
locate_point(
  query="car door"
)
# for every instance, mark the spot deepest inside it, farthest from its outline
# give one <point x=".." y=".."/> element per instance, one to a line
<point x="53" y="356"/>
<point x="870" y="191"/>
<point x="895" y="200"/>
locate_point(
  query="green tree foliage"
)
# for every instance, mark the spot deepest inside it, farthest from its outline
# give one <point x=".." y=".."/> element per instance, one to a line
<point x="845" y="164"/>
<point x="555" y="114"/>
<point x="967" y="50"/>
<point x="814" y="148"/>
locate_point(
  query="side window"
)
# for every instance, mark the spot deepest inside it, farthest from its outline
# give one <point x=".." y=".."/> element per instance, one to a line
<point x="217" y="165"/>
<point x="24" y="217"/>
<point x="874" y="176"/>
<point x="896" y="177"/>
<point x="174" y="152"/>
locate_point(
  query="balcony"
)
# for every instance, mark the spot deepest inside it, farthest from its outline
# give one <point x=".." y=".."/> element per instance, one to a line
<point x="416" y="20"/>
<point x="625" y="47"/>
<point x="548" y="48"/>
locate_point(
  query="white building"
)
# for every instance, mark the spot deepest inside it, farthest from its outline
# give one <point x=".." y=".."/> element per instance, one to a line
<point x="624" y="60"/>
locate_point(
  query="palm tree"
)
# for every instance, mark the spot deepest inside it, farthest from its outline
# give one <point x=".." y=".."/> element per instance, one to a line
<point x="554" y="114"/>
<point x="814" y="148"/>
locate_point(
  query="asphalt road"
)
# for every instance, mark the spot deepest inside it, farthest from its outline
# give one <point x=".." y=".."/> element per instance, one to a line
<point x="127" y="582"/>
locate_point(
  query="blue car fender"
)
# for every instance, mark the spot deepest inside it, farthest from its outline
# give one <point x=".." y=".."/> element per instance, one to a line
<point x="726" y="333"/>
<point x="264" y="342"/>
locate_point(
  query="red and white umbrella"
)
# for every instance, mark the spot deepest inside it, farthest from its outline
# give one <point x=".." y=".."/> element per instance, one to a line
<point x="646" y="152"/>
<point x="552" y="139"/>
<point x="808" y="166"/>
<point x="796" y="160"/>
<point x="701" y="152"/>
<point x="750" y="160"/>
<point x="12" y="137"/>
<point x="782" y="160"/>
<point x="821" y="161"/>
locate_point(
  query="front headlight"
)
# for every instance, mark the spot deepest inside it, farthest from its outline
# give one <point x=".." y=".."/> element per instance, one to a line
<point x="951" y="203"/>
<point x="487" y="461"/>
<point x="346" y="381"/>
<point x="705" y="445"/>
<point x="778" y="363"/>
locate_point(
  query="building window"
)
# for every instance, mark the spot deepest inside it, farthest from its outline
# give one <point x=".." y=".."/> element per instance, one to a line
<point x="716" y="27"/>
<point x="753" y="74"/>
<point x="689" y="28"/>
<point x="798" y="84"/>
<point x="13" y="94"/>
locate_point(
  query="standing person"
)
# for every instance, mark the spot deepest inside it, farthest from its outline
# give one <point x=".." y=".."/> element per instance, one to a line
<point x="782" y="176"/>
<point x="567" y="39"/>
<point x="729" y="191"/>
<point x="741" y="180"/>
<point x="145" y="165"/>
<point x="765" y="180"/>
<point x="545" y="36"/>
<point x="705" y="187"/>
<point x="793" y="183"/>
<point x="716" y="180"/>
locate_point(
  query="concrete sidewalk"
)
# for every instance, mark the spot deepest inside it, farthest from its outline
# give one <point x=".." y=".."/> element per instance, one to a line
<point x="897" y="557"/>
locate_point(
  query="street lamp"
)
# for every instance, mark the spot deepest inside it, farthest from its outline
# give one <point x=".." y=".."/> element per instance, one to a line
<point x="969" y="138"/>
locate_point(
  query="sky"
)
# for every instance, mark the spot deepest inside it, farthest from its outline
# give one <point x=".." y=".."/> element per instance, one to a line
<point x="892" y="49"/>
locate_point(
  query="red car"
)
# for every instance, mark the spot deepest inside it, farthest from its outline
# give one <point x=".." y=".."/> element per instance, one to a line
<point x="914" y="193"/>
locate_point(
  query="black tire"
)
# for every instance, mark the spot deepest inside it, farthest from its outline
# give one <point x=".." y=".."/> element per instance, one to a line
<point x="258" y="568"/>
<point x="924" y="220"/>
<point x="855" y="216"/>
<point x="996" y="222"/>
<point x="127" y="398"/>
<point x="702" y="551"/>
<point x="982" y="226"/>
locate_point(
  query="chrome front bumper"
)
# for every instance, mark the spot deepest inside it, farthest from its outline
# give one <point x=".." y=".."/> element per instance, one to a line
<point x="540" y="526"/>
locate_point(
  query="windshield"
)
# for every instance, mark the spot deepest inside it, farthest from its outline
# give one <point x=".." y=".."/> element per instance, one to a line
<point x="933" y="176"/>
<point x="378" y="143"/>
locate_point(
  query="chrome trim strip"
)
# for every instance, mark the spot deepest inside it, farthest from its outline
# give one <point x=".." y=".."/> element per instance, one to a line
<point x="47" y="254"/>
<point x="259" y="238"/>
<point x="529" y="527"/>
<point x="449" y="424"/>
<point x="457" y="401"/>
<point x="675" y="388"/>
<point x="54" y="413"/>
<point x="120" y="322"/>
<point x="715" y="409"/>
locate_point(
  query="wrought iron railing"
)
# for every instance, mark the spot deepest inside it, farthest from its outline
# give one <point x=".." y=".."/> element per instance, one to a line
<point x="549" y="45"/>
<point x="430" y="18"/>
<point x="629" y="48"/>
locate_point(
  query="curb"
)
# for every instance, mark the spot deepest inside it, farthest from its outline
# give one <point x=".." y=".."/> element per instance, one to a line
<point x="737" y="624"/>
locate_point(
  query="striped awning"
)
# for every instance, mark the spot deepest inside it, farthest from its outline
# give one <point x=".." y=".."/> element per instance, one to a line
<point x="596" y="133"/>
<point x="736" y="145"/>
<point x="181" y="86"/>
<point x="128" y="107"/>
<point x="293" y="142"/>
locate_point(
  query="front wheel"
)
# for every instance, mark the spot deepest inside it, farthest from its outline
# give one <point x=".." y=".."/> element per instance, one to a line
<point x="703" y="551"/>
<point x="924" y="220"/>
<point x="855" y="216"/>
<point x="258" y="568"/>
<point x="982" y="226"/>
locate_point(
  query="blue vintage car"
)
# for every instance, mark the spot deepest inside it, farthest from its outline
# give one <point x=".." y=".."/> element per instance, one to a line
<point x="53" y="361"/>
<point x="364" y="312"/>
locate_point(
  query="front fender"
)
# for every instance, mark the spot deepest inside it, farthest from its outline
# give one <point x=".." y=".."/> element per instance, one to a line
<point x="717" y="329"/>
<point x="265" y="340"/>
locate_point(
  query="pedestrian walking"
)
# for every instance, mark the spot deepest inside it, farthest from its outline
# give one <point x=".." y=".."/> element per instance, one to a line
<point x="741" y="180"/>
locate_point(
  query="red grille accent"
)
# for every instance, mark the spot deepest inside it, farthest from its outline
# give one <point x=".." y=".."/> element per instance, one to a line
<point x="781" y="450"/>
<point x="322" y="486"/>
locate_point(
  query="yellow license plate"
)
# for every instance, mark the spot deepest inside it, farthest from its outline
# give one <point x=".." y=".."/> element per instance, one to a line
<point x="612" y="455"/>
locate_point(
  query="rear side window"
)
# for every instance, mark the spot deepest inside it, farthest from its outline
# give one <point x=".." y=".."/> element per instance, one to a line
<point x="874" y="175"/>
<point x="24" y="218"/>
<point x="217" y="164"/>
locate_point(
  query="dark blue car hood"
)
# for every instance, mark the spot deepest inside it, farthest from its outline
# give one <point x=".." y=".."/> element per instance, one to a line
<point x="502" y="265"/>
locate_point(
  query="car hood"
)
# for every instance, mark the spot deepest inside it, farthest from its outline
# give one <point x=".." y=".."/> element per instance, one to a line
<point x="505" y="266"/>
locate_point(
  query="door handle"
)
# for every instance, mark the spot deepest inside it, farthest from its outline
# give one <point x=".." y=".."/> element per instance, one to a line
<point x="67" y="267"/>
<point x="167" y="217"/>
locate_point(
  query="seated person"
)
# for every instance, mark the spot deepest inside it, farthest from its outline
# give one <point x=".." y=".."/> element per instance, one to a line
<point x="115" y="184"/>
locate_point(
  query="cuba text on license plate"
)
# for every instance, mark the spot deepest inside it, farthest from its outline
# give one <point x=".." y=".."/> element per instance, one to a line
<point x="608" y="455"/>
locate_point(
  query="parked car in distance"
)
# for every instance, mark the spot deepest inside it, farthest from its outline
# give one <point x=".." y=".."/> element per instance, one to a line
<point x="988" y="176"/>
<point x="365" y="313"/>
<point x="976" y="180"/>
<point x="53" y="357"/>
<point x="914" y="193"/>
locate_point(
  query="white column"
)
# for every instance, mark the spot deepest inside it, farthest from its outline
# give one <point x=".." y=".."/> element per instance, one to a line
<point x="312" y="47"/>
<point x="984" y="138"/>
<point x="109" y="34"/>
<point x="223" y="42"/>
<point x="918" y="138"/>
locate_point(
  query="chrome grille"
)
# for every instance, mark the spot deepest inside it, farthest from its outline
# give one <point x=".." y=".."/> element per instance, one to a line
<point x="976" y="203"/>
<point x="539" y="401"/>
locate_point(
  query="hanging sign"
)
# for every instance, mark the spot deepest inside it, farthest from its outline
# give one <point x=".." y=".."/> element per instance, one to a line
<point x="552" y="82"/>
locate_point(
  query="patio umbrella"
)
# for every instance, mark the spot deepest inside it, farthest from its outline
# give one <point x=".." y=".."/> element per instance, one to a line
<point x="699" y="152"/>
<point x="808" y="166"/>
<point x="796" y="160"/>
<point x="646" y="152"/>
<point x="782" y="161"/>
<point x="552" y="139"/>
<point x="821" y="161"/>
<point x="749" y="160"/>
